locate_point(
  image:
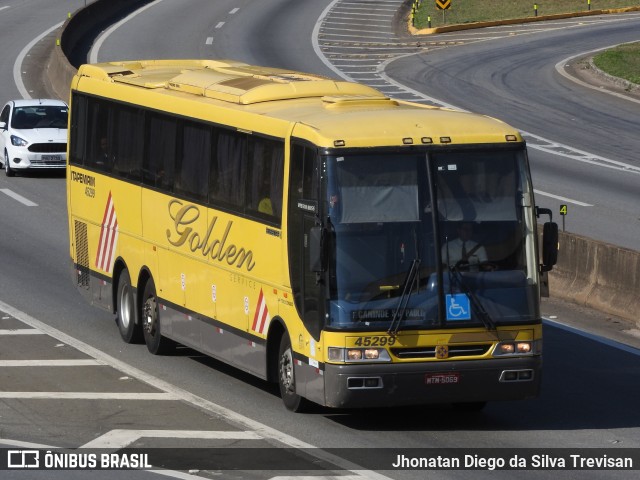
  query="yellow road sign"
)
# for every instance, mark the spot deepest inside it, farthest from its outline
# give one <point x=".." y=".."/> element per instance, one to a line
<point x="443" y="4"/>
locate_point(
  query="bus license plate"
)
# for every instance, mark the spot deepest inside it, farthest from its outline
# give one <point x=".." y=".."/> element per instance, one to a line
<point x="449" y="378"/>
<point x="51" y="158"/>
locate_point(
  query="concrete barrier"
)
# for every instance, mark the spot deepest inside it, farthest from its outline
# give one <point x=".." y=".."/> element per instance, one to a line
<point x="590" y="273"/>
<point x="598" y="275"/>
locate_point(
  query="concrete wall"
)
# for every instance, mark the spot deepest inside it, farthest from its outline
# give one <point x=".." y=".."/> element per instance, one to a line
<point x="599" y="275"/>
<point x="590" y="273"/>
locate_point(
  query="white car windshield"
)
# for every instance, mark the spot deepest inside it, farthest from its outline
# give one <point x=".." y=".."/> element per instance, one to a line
<point x="39" y="116"/>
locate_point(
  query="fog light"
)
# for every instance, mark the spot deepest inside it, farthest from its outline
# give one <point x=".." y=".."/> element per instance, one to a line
<point x="525" y="375"/>
<point x="371" y="382"/>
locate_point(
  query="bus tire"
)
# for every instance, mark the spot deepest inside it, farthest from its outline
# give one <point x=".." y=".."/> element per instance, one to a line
<point x="150" y="316"/>
<point x="129" y="327"/>
<point x="286" y="378"/>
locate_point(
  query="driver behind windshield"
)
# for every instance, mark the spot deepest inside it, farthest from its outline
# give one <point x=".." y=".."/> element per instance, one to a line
<point x="463" y="249"/>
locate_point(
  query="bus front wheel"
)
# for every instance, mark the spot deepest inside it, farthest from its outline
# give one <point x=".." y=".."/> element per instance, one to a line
<point x="156" y="343"/>
<point x="287" y="379"/>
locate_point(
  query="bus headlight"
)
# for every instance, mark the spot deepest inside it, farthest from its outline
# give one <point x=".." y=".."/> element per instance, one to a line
<point x="517" y="348"/>
<point x="357" y="355"/>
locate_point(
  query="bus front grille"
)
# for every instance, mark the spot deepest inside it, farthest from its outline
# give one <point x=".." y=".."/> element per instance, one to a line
<point x="430" y="352"/>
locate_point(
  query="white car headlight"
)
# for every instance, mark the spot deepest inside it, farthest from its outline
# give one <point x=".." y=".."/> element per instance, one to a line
<point x="18" y="142"/>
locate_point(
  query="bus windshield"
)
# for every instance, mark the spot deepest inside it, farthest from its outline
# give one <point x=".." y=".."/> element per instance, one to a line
<point x="391" y="248"/>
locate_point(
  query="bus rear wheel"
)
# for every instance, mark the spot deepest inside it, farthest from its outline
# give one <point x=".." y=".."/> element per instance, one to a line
<point x="156" y="343"/>
<point x="130" y="329"/>
<point x="287" y="379"/>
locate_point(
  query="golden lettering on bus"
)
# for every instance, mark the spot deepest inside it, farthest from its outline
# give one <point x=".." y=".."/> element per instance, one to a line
<point x="210" y="244"/>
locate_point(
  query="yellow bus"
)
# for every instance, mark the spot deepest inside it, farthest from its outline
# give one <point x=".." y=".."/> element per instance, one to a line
<point x="359" y="251"/>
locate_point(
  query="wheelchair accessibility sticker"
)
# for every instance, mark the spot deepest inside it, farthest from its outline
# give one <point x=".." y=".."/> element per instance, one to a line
<point x="458" y="307"/>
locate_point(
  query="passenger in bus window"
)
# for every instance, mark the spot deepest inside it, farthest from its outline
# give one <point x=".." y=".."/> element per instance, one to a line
<point x="102" y="158"/>
<point x="265" y="205"/>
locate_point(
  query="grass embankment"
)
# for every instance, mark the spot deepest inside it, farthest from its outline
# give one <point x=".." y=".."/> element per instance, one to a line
<point x="465" y="11"/>
<point x="622" y="61"/>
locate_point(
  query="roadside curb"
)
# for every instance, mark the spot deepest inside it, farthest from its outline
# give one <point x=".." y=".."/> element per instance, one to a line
<point x="514" y="21"/>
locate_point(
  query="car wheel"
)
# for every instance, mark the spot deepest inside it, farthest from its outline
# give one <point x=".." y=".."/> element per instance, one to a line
<point x="7" y="168"/>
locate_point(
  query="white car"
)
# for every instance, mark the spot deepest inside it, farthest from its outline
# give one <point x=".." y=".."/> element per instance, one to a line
<point x="33" y="135"/>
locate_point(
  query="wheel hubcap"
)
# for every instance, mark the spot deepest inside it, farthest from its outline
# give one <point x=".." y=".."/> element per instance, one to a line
<point x="149" y="315"/>
<point x="125" y="307"/>
<point x="286" y="371"/>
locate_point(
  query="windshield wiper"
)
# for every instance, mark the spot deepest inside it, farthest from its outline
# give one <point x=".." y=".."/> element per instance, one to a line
<point x="407" y="287"/>
<point x="475" y="301"/>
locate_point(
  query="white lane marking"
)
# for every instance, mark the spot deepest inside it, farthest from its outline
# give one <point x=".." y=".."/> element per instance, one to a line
<point x="20" y="443"/>
<point x="88" y="396"/>
<point x="21" y="331"/>
<point x="235" y="10"/>
<point x="93" y="54"/>
<point x="564" y="199"/>
<point x="233" y="417"/>
<point x="3" y="8"/>
<point x="315" y="477"/>
<point x="17" y="197"/>
<point x="220" y="24"/>
<point x="49" y="363"/>
<point x="209" y="41"/>
<point x="560" y="68"/>
<point x="121" y="438"/>
<point x="17" y="65"/>
<point x="176" y="474"/>
<point x="594" y="337"/>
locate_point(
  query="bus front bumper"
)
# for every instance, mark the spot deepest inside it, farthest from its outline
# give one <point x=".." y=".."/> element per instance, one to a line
<point x="387" y="385"/>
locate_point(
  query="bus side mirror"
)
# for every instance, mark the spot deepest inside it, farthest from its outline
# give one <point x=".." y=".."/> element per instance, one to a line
<point x="3" y="125"/>
<point x="549" y="246"/>
<point x="316" y="249"/>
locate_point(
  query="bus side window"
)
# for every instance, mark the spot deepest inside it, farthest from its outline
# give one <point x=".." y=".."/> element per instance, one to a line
<point x="78" y="135"/>
<point x="266" y="161"/>
<point x="100" y="149"/>
<point x="192" y="178"/>
<point x="228" y="170"/>
<point x="128" y="143"/>
<point x="159" y="164"/>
